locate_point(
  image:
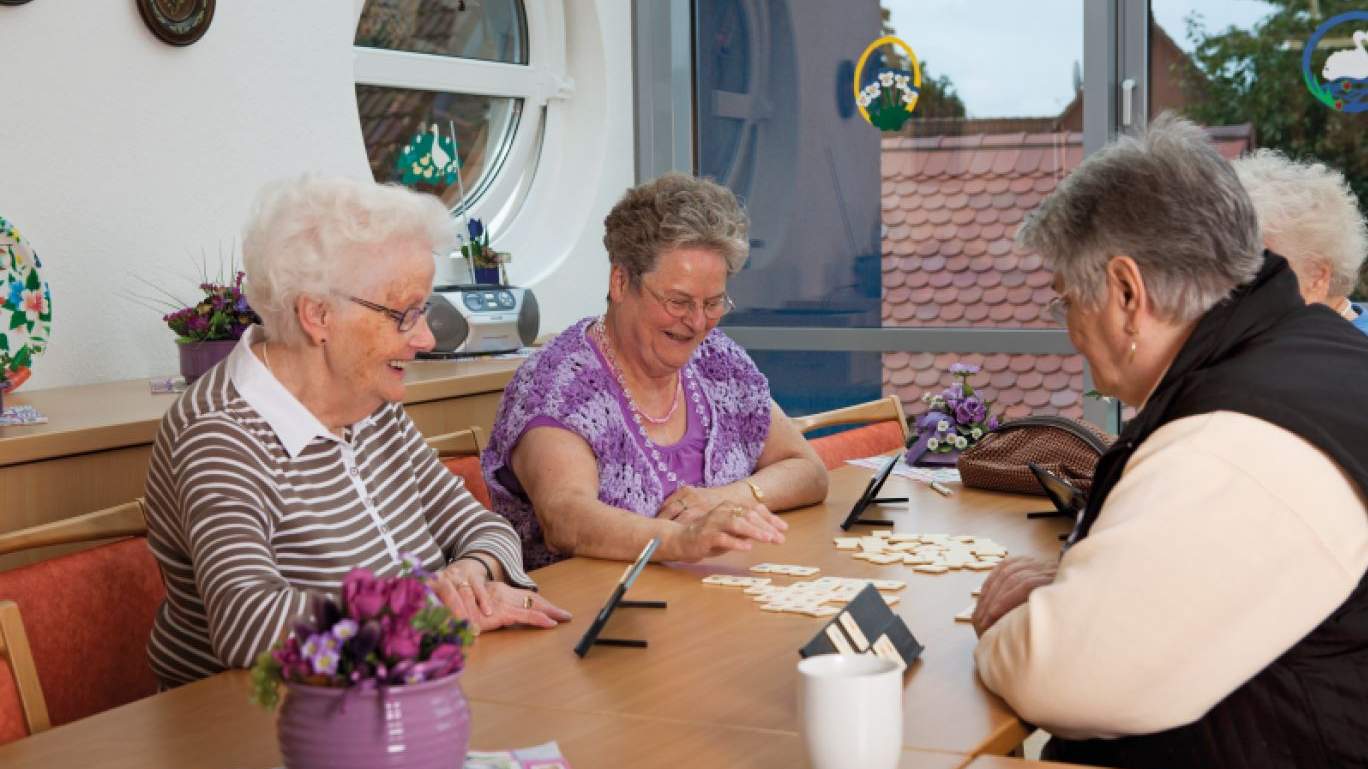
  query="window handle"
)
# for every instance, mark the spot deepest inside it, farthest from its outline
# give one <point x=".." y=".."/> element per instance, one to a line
<point x="1127" y="101"/>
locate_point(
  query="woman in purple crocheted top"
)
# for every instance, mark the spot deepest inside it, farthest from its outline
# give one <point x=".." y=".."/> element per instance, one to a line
<point x="648" y="421"/>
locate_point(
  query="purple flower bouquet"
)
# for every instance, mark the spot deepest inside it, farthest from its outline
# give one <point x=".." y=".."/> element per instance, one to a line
<point x="956" y="418"/>
<point x="222" y="314"/>
<point x="385" y="632"/>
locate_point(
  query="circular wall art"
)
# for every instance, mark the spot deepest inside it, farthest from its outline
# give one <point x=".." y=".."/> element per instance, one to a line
<point x="25" y="307"/>
<point x="178" y="22"/>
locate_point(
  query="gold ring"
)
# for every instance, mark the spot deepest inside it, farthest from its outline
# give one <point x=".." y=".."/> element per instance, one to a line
<point x="527" y="601"/>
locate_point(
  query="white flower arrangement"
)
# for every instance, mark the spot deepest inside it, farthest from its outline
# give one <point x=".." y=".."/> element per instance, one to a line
<point x="887" y="97"/>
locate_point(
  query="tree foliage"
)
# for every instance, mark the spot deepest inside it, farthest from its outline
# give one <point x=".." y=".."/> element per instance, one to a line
<point x="1255" y="76"/>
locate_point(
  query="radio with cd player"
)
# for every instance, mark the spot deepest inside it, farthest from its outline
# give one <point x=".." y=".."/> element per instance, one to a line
<point x="482" y="320"/>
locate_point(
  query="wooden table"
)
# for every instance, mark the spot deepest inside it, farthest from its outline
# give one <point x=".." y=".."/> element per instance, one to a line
<point x="93" y="451"/>
<point x="716" y="687"/>
<point x="1003" y="762"/>
<point x="211" y="725"/>
<point x="715" y="658"/>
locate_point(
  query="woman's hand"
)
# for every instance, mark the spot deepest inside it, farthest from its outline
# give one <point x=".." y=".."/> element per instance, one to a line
<point x="728" y="526"/>
<point x="691" y="503"/>
<point x="1007" y="587"/>
<point x="492" y="605"/>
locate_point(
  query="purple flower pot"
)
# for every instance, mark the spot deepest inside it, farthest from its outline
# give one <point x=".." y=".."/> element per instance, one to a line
<point x="487" y="276"/>
<point x="416" y="726"/>
<point x="933" y="459"/>
<point x="198" y="357"/>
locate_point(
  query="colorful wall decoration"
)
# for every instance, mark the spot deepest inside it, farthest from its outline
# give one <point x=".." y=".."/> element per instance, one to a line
<point x="887" y="96"/>
<point x="428" y="161"/>
<point x="25" y="307"/>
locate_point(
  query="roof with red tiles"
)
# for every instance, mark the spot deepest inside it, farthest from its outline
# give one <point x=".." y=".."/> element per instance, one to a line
<point x="951" y="209"/>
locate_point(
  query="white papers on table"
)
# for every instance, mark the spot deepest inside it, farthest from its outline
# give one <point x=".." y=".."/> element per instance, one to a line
<point x="924" y="474"/>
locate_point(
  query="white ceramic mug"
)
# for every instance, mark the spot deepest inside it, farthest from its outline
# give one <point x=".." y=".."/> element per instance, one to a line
<point x="850" y="707"/>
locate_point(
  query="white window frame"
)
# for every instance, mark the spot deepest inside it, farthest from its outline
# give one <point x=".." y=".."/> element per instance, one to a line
<point x="536" y="83"/>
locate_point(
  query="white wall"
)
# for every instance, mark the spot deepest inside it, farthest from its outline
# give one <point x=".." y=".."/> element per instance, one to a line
<point x="587" y="162"/>
<point x="123" y="158"/>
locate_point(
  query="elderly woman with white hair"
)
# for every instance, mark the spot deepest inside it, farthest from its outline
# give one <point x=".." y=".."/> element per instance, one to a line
<point x="1310" y="216"/>
<point x="293" y="462"/>
<point x="1211" y="606"/>
<point x="648" y="422"/>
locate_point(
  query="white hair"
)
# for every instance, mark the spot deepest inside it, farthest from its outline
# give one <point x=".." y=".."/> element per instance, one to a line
<point x="1168" y="200"/>
<point x="1307" y="211"/>
<point x="316" y="235"/>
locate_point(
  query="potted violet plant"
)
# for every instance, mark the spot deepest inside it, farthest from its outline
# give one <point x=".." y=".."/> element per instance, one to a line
<point x="208" y="330"/>
<point x="955" y="419"/>
<point x="372" y="680"/>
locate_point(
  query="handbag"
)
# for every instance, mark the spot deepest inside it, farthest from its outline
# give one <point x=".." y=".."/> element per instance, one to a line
<point x="1066" y="447"/>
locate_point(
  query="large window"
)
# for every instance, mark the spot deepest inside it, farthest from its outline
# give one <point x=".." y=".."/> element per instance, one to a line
<point x="878" y="259"/>
<point x="451" y="95"/>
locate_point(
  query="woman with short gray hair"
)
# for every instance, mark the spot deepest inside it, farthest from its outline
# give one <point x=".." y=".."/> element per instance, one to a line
<point x="1310" y="216"/>
<point x="648" y="422"/>
<point x="292" y="462"/>
<point x="1211" y="606"/>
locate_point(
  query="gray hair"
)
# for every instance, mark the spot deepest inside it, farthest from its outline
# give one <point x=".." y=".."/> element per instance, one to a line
<point x="1166" y="199"/>
<point x="675" y="211"/>
<point x="318" y="235"/>
<point x="1309" y="211"/>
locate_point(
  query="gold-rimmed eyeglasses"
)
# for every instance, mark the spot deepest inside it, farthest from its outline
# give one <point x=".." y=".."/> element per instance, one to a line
<point x="681" y="308"/>
<point x="406" y="319"/>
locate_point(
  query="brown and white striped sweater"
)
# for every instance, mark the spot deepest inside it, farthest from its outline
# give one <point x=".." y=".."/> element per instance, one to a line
<point x="252" y="504"/>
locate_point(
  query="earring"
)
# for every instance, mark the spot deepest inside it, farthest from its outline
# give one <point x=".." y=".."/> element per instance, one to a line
<point x="1131" y="357"/>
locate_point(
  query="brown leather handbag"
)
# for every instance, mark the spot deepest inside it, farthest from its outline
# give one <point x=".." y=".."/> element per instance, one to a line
<point x="1066" y="447"/>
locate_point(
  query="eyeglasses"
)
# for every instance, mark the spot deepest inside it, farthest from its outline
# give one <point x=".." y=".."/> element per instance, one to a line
<point x="1058" y="310"/>
<point x="406" y="319"/>
<point x="680" y="309"/>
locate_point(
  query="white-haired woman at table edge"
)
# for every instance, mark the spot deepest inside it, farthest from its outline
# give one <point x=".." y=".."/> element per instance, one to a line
<point x="293" y="462"/>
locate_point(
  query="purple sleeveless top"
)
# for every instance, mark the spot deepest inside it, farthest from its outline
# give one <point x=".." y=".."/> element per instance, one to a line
<point x="568" y="384"/>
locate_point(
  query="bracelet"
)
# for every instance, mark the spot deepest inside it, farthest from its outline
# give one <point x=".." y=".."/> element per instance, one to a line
<point x="489" y="573"/>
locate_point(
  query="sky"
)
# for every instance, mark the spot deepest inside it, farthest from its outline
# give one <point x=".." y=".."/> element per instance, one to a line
<point x="1009" y="58"/>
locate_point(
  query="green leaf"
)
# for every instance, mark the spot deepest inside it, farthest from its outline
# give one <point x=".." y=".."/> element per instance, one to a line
<point x="18" y="319"/>
<point x="266" y="678"/>
<point x="33" y="282"/>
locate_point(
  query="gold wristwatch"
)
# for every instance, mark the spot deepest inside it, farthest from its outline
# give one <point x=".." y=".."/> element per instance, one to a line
<point x="755" y="491"/>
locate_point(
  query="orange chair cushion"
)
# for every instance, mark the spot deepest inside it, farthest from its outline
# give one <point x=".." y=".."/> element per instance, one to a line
<point x="863" y="441"/>
<point x="469" y="469"/>
<point x="11" y="710"/>
<point x="88" y="616"/>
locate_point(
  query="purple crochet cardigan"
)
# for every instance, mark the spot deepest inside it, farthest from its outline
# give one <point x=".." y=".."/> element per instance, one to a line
<point x="566" y="382"/>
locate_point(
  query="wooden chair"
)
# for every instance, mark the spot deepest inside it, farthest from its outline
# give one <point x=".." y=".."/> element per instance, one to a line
<point x="885" y="428"/>
<point x="459" y="451"/>
<point x="74" y="628"/>
<point x="20" y="692"/>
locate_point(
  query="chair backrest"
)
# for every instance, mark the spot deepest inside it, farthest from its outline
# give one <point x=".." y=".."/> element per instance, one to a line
<point x="86" y="617"/>
<point x="459" y="451"/>
<point x="126" y="520"/>
<point x="888" y="430"/>
<point x="23" y="710"/>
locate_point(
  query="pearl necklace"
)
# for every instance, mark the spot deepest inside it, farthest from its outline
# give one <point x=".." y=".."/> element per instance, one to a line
<point x="695" y="395"/>
<point x="601" y="336"/>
